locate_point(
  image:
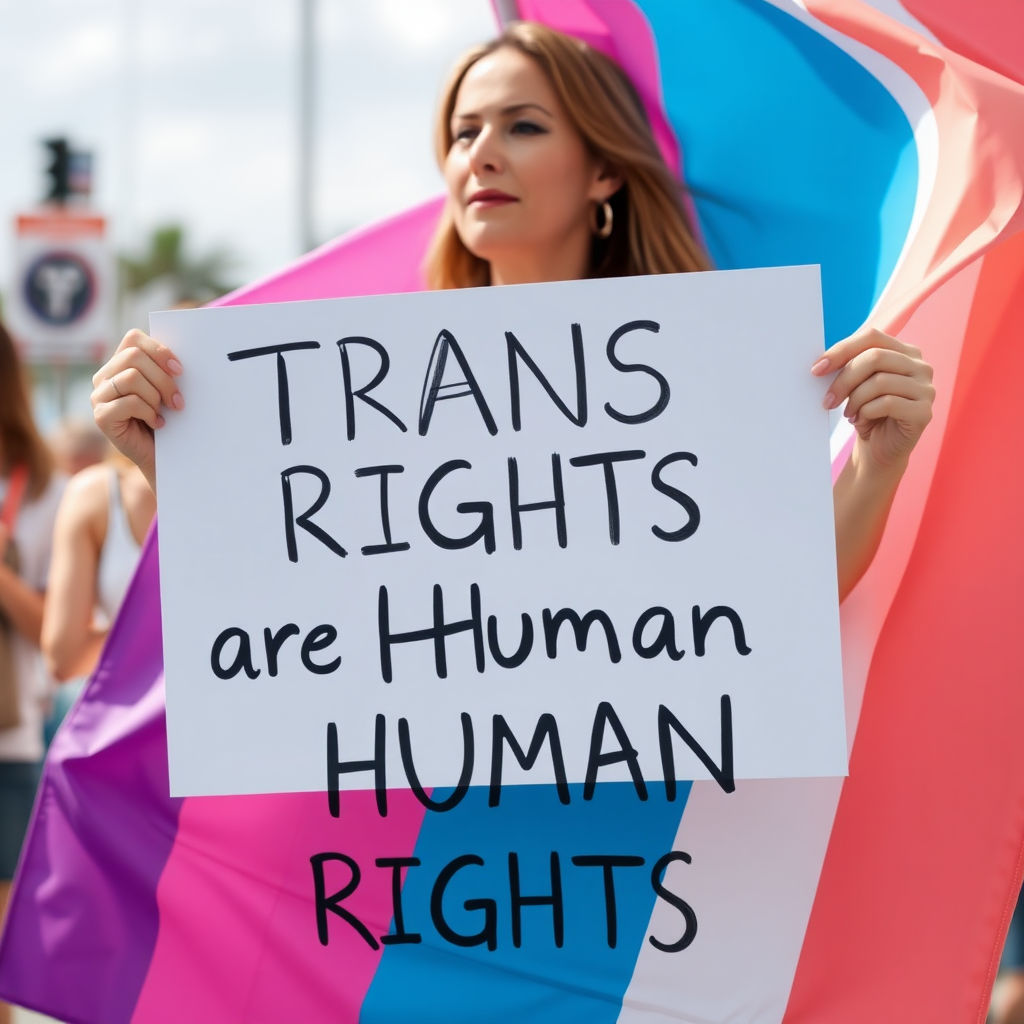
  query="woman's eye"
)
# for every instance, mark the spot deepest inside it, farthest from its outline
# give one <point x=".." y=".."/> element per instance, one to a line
<point x="528" y="128"/>
<point x="466" y="134"/>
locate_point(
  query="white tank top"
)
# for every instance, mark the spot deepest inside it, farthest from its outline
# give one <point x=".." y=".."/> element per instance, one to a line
<point x="119" y="556"/>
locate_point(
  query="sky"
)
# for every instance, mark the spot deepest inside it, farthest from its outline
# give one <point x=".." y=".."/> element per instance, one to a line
<point x="190" y="109"/>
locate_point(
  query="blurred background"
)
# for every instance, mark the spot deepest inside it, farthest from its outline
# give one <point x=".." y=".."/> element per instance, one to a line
<point x="160" y="152"/>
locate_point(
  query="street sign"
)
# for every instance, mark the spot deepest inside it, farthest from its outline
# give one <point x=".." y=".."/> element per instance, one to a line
<point x="61" y="303"/>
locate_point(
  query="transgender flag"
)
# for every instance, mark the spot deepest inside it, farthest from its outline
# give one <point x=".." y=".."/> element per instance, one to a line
<point x="885" y="142"/>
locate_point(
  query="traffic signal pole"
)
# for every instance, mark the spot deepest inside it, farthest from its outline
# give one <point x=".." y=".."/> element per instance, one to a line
<point x="306" y="126"/>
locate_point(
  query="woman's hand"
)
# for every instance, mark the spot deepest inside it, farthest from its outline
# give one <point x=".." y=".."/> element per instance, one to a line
<point x="888" y="390"/>
<point x="128" y="392"/>
<point x="887" y="387"/>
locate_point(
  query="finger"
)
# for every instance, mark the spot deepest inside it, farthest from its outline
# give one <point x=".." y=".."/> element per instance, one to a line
<point x="875" y="360"/>
<point x="156" y="350"/>
<point x="843" y="351"/>
<point x="139" y="360"/>
<point x="131" y="382"/>
<point x="908" y="411"/>
<point x="114" y="418"/>
<point x="895" y="384"/>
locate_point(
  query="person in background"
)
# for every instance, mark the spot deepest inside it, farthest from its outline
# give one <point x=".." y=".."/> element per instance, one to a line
<point x="102" y="522"/>
<point x="1008" y="998"/>
<point x="76" y="444"/>
<point x="30" y="492"/>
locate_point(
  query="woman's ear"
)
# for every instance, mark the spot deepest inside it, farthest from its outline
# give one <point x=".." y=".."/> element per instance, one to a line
<point x="605" y="183"/>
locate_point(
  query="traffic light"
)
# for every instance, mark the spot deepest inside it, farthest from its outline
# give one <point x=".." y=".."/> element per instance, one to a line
<point x="80" y="172"/>
<point x="59" y="170"/>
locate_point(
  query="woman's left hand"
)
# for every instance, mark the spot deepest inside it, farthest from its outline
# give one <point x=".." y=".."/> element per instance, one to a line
<point x="887" y="387"/>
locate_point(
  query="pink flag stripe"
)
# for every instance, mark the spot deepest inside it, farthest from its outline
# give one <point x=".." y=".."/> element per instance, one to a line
<point x="242" y="866"/>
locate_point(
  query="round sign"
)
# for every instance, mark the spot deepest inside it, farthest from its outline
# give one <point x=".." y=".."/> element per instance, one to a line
<point x="59" y="288"/>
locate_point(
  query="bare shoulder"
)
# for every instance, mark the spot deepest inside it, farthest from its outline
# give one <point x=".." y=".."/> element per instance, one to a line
<point x="86" y="499"/>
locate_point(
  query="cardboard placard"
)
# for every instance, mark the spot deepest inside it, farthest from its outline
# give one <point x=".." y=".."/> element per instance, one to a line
<point x="569" y="532"/>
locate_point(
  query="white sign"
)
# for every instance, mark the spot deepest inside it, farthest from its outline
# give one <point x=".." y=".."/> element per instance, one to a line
<point x="578" y="531"/>
<point x="61" y="305"/>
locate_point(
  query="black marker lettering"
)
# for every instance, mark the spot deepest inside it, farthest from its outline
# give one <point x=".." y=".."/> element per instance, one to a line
<point x="272" y="642"/>
<point x="581" y="630"/>
<point x="626" y="752"/>
<point x="547" y="728"/>
<point x="243" y="656"/>
<point x="318" y="639"/>
<point x="668" y="723"/>
<point x="690" y="527"/>
<point x="432" y="386"/>
<point x="283" y="401"/>
<point x="438" y="632"/>
<point x="385" y="517"/>
<point x="665" y="640"/>
<point x="377" y="764"/>
<point x="489" y="933"/>
<point x="557" y="503"/>
<point x="689" y="917"/>
<point x="325" y="903"/>
<point x="517" y="352"/>
<point x="608" y="460"/>
<point x="518" y="900"/>
<point x="608" y="863"/>
<point x="663" y="395"/>
<point x="361" y="393"/>
<point x="306" y="519"/>
<point x="485" y="529"/>
<point x="522" y="651"/>
<point x="400" y="937"/>
<point x="702" y="623"/>
<point x="461" y="789"/>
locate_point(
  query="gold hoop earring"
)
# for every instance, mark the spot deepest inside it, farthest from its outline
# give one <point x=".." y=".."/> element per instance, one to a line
<point x="606" y="227"/>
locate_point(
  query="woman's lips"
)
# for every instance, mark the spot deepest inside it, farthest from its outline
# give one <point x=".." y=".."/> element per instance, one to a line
<point x="487" y="198"/>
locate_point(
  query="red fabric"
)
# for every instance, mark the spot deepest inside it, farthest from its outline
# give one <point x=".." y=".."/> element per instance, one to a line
<point x="15" y="492"/>
<point x="990" y="32"/>
<point x="939" y="836"/>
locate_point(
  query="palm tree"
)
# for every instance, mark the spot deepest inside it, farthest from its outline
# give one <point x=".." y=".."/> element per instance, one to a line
<point x="192" y="281"/>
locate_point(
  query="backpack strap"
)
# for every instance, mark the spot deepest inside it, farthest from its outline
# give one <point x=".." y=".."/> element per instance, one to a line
<point x="15" y="492"/>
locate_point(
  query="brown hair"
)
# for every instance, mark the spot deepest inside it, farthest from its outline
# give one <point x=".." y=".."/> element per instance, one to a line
<point x="20" y="441"/>
<point x="652" y="232"/>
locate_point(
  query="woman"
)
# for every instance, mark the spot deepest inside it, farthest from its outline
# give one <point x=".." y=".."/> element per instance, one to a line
<point x="553" y="174"/>
<point x="29" y="494"/>
<point x="102" y="521"/>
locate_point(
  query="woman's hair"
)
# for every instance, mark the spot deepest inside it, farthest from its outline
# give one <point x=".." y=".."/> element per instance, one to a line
<point x="652" y="233"/>
<point x="20" y="441"/>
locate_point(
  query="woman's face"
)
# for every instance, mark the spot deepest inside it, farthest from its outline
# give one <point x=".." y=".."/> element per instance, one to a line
<point x="520" y="178"/>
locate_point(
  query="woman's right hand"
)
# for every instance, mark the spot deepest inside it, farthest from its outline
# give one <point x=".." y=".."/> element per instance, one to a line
<point x="128" y="392"/>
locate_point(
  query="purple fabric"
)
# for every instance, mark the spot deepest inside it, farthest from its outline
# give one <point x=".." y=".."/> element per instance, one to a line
<point x="83" y="919"/>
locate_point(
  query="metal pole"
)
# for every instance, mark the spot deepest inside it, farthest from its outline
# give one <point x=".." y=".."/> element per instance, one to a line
<point x="507" y="10"/>
<point x="307" y="86"/>
<point x="60" y="370"/>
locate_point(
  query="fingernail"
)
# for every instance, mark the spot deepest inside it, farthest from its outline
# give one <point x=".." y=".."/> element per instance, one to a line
<point x="829" y="400"/>
<point x="160" y="421"/>
<point x="174" y="367"/>
<point x="177" y="401"/>
<point x="820" y="366"/>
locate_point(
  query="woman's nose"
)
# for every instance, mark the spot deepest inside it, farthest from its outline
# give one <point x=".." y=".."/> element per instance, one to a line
<point x="485" y="152"/>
